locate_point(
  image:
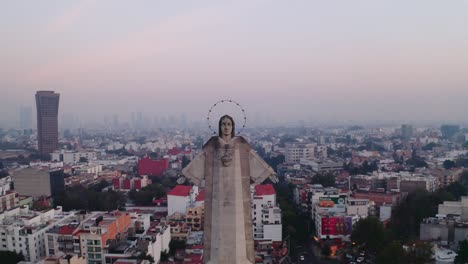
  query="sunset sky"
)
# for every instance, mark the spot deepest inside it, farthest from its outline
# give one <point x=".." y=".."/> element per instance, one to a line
<point x="311" y="60"/>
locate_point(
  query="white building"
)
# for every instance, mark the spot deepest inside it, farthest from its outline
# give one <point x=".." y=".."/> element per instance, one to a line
<point x="321" y="152"/>
<point x="70" y="157"/>
<point x="5" y="184"/>
<point x="180" y="198"/>
<point x="297" y="151"/>
<point x="115" y="146"/>
<point x="89" y="169"/>
<point x="266" y="215"/>
<point x="22" y="230"/>
<point x="324" y="165"/>
<point x="159" y="237"/>
<point x="359" y="207"/>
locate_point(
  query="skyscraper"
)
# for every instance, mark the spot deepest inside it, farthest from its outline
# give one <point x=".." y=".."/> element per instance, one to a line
<point x="47" y="103"/>
<point x="26" y="117"/>
<point x="406" y="131"/>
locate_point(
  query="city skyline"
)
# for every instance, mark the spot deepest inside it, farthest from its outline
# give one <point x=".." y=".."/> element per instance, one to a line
<point x="314" y="62"/>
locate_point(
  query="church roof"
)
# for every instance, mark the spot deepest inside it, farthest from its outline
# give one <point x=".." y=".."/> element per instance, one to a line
<point x="180" y="190"/>
<point x="264" y="189"/>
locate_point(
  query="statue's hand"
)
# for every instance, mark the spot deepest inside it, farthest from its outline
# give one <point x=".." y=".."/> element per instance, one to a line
<point x="274" y="178"/>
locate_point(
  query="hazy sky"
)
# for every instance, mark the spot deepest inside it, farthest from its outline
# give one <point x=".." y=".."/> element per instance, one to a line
<point x="311" y="60"/>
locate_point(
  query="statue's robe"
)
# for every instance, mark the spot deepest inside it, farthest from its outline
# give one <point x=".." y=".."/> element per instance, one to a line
<point x="228" y="234"/>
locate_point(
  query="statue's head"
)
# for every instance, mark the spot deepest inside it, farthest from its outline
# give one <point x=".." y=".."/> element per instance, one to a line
<point x="226" y="126"/>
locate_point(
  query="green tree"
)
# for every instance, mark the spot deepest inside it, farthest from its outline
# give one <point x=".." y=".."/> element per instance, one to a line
<point x="430" y="146"/>
<point x="327" y="180"/>
<point x="326" y="251"/>
<point x="185" y="161"/>
<point x="370" y="233"/>
<point x="145" y="196"/>
<point x="449" y="164"/>
<point x="11" y="257"/>
<point x="392" y="253"/>
<point x="164" y="256"/>
<point x="419" y="253"/>
<point x="462" y="256"/>
<point x="420" y="204"/>
<point x="175" y="245"/>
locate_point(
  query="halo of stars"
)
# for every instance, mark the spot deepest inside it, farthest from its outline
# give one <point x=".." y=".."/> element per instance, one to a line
<point x="225" y="101"/>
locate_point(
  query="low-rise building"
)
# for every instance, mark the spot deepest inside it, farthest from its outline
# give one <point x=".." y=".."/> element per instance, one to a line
<point x="8" y="201"/>
<point x="180" y="198"/>
<point x="71" y="157"/>
<point x="23" y="230"/>
<point x="135" y="183"/>
<point x="38" y="182"/>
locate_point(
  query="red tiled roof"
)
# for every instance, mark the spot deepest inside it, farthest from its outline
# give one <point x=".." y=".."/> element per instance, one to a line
<point x="175" y="151"/>
<point x="80" y="232"/>
<point x="201" y="196"/>
<point x="66" y="230"/>
<point x="180" y="190"/>
<point x="264" y="189"/>
<point x="195" y="247"/>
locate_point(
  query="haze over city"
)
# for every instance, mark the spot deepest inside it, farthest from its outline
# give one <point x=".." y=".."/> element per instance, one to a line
<point x="349" y="61"/>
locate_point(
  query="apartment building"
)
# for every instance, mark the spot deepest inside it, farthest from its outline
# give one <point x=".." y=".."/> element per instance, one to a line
<point x="266" y="215"/>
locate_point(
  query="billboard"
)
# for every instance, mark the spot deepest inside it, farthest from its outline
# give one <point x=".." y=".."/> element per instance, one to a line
<point x="337" y="225"/>
<point x="338" y="201"/>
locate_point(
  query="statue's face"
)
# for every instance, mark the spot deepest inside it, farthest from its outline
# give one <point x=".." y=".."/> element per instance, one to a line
<point x="226" y="127"/>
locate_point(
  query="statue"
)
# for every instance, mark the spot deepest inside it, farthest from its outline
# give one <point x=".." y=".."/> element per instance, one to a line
<point x="227" y="165"/>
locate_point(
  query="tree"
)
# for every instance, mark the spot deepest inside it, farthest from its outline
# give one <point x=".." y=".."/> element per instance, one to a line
<point x="185" y="161"/>
<point x="370" y="233"/>
<point x="274" y="161"/>
<point x="420" y="204"/>
<point x="145" y="196"/>
<point x="174" y="245"/>
<point x="430" y="146"/>
<point x="392" y="253"/>
<point x="11" y="257"/>
<point x="327" y="180"/>
<point x="419" y="253"/>
<point x="462" y="256"/>
<point x="326" y="251"/>
<point x="164" y="256"/>
<point x="449" y="164"/>
<point x="456" y="189"/>
<point x="80" y="198"/>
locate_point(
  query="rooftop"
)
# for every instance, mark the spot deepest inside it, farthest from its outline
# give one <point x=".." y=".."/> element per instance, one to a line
<point x="264" y="189"/>
<point x="180" y="190"/>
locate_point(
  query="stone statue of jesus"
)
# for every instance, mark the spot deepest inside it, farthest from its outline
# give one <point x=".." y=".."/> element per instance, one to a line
<point x="228" y="164"/>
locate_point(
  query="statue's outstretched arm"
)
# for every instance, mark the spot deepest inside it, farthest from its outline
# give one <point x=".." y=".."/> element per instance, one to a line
<point x="260" y="170"/>
<point x="195" y="170"/>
